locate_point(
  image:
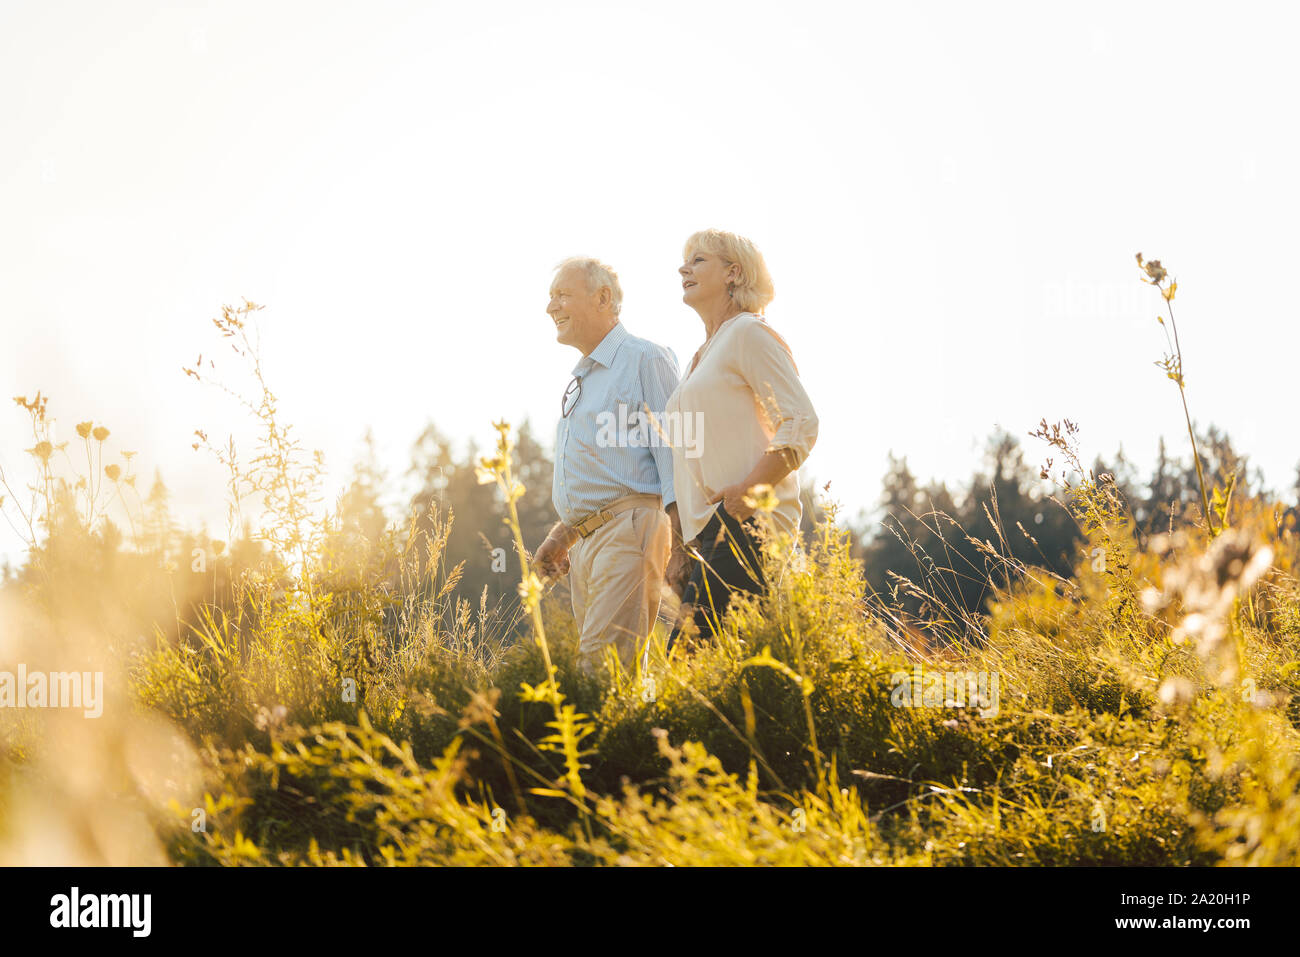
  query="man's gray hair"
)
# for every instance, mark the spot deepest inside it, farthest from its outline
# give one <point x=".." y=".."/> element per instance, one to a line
<point x="598" y="274"/>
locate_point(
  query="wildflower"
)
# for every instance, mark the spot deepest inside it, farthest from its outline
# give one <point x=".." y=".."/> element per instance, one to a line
<point x="43" y="451"/>
<point x="530" y="591"/>
<point x="128" y="455"/>
<point x="1264" y="699"/>
<point x="481" y="708"/>
<point x="100" y="433"/>
<point x="113" y="472"/>
<point x="271" y="719"/>
<point x="1163" y="544"/>
<point x="83" y="429"/>
<point x="1176" y="692"/>
<point x="1153" y="600"/>
<point x="761" y="498"/>
<point x="1153" y="269"/>
<point x="1206" y="587"/>
<point x="1195" y="625"/>
<point x="489" y="468"/>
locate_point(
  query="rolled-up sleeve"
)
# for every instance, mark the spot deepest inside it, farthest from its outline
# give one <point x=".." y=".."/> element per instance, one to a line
<point x="768" y="367"/>
<point x="658" y="380"/>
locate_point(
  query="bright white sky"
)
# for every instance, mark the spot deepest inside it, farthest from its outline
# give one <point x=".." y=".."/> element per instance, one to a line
<point x="949" y="197"/>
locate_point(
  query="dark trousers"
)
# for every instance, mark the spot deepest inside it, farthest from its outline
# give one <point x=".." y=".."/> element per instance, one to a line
<point x="729" y="561"/>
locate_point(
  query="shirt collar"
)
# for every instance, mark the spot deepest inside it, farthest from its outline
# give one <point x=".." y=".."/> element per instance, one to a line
<point x="605" y="352"/>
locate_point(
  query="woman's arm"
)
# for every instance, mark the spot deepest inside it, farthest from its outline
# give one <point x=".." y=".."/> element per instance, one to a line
<point x="765" y="362"/>
<point x="772" y="467"/>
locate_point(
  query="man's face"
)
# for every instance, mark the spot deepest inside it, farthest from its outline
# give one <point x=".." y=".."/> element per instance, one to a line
<point x="576" y="311"/>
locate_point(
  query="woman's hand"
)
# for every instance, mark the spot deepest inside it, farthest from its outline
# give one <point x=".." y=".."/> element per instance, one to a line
<point x="733" y="500"/>
<point x="772" y="468"/>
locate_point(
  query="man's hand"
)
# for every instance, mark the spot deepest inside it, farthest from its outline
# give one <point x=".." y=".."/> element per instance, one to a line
<point x="552" y="557"/>
<point x="733" y="500"/>
<point x="678" y="572"/>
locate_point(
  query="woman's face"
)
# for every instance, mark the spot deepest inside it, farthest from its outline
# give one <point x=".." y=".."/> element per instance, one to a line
<point x="705" y="278"/>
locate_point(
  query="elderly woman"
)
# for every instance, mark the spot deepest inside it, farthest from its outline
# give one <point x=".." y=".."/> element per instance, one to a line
<point x="754" y="422"/>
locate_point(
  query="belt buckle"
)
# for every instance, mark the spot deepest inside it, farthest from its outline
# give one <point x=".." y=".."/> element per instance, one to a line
<point x="602" y="514"/>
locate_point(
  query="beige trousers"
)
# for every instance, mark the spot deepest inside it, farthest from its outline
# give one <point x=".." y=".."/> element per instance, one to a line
<point x="616" y="576"/>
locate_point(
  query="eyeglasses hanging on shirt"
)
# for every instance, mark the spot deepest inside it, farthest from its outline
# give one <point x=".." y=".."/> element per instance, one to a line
<point x="571" y="396"/>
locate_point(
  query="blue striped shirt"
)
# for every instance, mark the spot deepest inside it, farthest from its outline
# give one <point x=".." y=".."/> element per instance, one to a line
<point x="600" y="454"/>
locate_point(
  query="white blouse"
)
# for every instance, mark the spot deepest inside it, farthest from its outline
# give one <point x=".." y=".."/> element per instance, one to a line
<point x="741" y="398"/>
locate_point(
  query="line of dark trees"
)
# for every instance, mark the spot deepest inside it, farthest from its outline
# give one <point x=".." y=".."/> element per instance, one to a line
<point x="911" y="520"/>
<point x="1036" y="527"/>
<point x="1005" y="483"/>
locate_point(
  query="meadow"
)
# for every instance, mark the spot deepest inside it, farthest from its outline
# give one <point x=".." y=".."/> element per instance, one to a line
<point x="333" y="699"/>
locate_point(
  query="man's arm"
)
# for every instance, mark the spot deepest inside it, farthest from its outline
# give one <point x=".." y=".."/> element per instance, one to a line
<point x="658" y="380"/>
<point x="679" y="569"/>
<point x="552" y="556"/>
<point x="658" y="374"/>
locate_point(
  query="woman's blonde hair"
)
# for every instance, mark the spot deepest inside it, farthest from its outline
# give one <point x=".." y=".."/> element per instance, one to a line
<point x="753" y="291"/>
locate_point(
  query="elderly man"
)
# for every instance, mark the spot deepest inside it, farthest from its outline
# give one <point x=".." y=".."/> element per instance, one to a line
<point x="618" y="534"/>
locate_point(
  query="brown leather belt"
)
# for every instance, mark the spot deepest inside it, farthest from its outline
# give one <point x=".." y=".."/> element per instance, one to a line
<point x="599" y="518"/>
